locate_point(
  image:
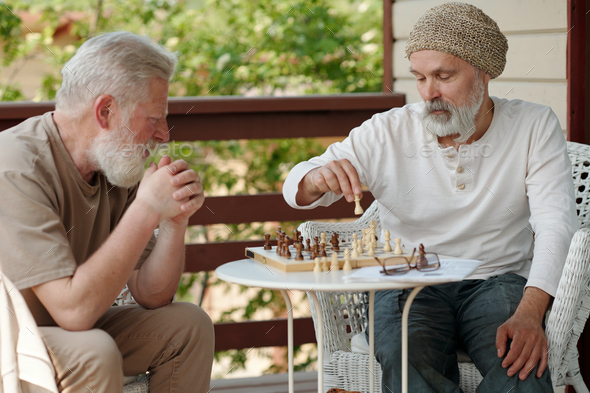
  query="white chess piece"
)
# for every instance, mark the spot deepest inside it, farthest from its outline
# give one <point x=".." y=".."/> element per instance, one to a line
<point x="355" y="249"/>
<point x="347" y="265"/>
<point x="323" y="238"/>
<point x="358" y="210"/>
<point x="317" y="268"/>
<point x="334" y="265"/>
<point x="387" y="246"/>
<point x="371" y="249"/>
<point x="398" y="250"/>
<point x="325" y="264"/>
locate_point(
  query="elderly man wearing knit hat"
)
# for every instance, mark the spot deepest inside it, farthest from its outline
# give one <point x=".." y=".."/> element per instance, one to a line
<point x="467" y="175"/>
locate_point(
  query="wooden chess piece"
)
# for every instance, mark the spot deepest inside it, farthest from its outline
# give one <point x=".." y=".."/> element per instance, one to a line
<point x="335" y="242"/>
<point x="347" y="266"/>
<point x="279" y="245"/>
<point x="287" y="253"/>
<point x="355" y="250"/>
<point x="398" y="250"/>
<point x="308" y="247"/>
<point x="325" y="267"/>
<point x="371" y="249"/>
<point x="267" y="245"/>
<point x="387" y="246"/>
<point x="334" y="264"/>
<point x="323" y="237"/>
<point x="317" y="268"/>
<point x="323" y="250"/>
<point x="299" y="256"/>
<point x="314" y="251"/>
<point x="358" y="210"/>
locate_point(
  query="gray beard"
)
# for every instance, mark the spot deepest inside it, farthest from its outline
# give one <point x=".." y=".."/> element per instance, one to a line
<point x="455" y="120"/>
<point x="111" y="156"/>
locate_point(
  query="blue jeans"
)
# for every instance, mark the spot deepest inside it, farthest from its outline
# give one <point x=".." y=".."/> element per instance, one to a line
<point x="443" y="318"/>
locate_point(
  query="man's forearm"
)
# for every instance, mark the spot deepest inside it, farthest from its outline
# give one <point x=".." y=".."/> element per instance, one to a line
<point x="534" y="303"/>
<point x="155" y="283"/>
<point x="76" y="302"/>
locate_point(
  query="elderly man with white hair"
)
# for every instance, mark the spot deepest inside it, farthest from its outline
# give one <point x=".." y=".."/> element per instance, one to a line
<point x="467" y="175"/>
<point x="77" y="223"/>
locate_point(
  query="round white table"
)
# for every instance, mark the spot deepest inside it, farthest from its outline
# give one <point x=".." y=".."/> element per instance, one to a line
<point x="255" y="274"/>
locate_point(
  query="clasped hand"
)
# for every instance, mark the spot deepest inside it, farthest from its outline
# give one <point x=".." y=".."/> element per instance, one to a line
<point x="171" y="190"/>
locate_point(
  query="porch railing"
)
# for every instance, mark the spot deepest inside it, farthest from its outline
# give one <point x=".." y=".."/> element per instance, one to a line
<point x="225" y="118"/>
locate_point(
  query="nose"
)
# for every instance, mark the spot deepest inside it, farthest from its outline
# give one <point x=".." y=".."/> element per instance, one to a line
<point x="431" y="90"/>
<point x="162" y="134"/>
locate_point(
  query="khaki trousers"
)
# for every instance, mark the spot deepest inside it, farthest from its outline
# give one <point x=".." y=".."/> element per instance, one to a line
<point x="175" y="343"/>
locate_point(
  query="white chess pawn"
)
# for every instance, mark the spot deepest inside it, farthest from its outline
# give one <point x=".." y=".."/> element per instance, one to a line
<point x="317" y="268"/>
<point x="358" y="210"/>
<point x="347" y="265"/>
<point x="398" y="250"/>
<point x="371" y="249"/>
<point x="355" y="249"/>
<point x="359" y="247"/>
<point x="354" y="238"/>
<point x="323" y="238"/>
<point x="387" y="246"/>
<point x="334" y="265"/>
<point x="325" y="267"/>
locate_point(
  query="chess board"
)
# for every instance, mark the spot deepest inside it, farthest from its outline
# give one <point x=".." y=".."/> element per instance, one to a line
<point x="270" y="258"/>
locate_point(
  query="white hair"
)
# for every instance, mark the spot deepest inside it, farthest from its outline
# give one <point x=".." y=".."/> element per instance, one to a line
<point x="120" y="64"/>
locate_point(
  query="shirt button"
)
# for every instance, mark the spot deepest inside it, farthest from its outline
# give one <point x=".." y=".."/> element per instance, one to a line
<point x="450" y="155"/>
<point x="461" y="186"/>
<point x="460" y="169"/>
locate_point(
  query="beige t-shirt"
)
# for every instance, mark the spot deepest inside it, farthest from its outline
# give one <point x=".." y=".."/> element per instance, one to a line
<point x="51" y="220"/>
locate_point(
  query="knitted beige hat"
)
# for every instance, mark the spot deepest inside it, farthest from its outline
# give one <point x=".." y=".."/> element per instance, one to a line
<point x="464" y="31"/>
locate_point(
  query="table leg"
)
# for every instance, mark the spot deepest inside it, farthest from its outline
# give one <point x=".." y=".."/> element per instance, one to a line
<point x="320" y="338"/>
<point x="405" y="315"/>
<point x="372" y="341"/>
<point x="289" y="338"/>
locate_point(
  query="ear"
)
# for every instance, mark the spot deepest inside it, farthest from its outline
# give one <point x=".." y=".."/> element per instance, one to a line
<point x="103" y="111"/>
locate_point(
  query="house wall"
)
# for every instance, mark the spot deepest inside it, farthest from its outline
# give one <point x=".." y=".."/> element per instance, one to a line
<point x="536" y="61"/>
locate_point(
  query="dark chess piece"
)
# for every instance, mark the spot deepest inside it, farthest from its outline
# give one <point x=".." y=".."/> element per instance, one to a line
<point x="299" y="256"/>
<point x="267" y="245"/>
<point x="308" y="247"/>
<point x="323" y="250"/>
<point x="279" y="245"/>
<point x="334" y="242"/>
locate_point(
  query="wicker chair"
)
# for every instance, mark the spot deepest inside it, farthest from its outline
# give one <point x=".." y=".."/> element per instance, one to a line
<point x="345" y="319"/>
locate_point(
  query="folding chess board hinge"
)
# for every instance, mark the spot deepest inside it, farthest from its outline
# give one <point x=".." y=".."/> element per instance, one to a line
<point x="250" y="254"/>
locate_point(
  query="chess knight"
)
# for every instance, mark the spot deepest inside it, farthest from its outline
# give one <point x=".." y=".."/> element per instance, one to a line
<point x="460" y="203"/>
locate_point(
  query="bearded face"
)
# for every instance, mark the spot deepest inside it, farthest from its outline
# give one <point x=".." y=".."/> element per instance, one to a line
<point x="453" y="119"/>
<point x="121" y="159"/>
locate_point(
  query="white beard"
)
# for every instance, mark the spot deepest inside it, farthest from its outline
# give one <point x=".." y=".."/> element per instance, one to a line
<point x="455" y="120"/>
<point x="119" y="158"/>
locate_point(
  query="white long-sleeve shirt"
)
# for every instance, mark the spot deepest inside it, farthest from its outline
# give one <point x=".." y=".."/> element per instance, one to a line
<point x="483" y="202"/>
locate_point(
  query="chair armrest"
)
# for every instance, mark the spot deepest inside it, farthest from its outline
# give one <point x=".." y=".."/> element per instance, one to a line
<point x="570" y="307"/>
